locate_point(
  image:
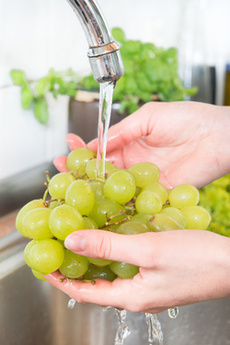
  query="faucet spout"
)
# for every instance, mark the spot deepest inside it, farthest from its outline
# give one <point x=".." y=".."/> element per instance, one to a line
<point x="104" y="55"/>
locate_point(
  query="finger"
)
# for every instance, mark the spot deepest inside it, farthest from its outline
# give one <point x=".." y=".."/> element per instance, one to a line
<point x="132" y="249"/>
<point x="60" y="163"/>
<point x="74" y="141"/>
<point x="101" y="292"/>
<point x="131" y="128"/>
<point x="92" y="145"/>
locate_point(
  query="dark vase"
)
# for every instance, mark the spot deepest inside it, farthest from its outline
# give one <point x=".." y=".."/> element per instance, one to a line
<point x="83" y="118"/>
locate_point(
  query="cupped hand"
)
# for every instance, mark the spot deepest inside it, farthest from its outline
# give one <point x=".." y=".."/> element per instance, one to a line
<point x="182" y="138"/>
<point x="188" y="141"/>
<point x="176" y="268"/>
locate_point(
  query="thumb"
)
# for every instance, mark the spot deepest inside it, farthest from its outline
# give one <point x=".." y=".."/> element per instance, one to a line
<point x="101" y="244"/>
<point x="129" y="129"/>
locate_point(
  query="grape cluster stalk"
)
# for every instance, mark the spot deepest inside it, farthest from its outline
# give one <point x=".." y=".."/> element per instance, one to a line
<point x="97" y="195"/>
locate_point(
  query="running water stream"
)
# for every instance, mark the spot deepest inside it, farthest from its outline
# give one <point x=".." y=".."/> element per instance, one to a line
<point x="105" y="106"/>
<point x="122" y="330"/>
<point x="155" y="334"/>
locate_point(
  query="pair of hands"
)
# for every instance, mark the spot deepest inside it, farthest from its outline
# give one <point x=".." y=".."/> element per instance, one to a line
<point x="176" y="267"/>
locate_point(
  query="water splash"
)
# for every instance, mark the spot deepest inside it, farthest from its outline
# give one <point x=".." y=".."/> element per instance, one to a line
<point x="123" y="330"/>
<point x="173" y="312"/>
<point x="105" y="106"/>
<point x="155" y="334"/>
<point x="71" y="303"/>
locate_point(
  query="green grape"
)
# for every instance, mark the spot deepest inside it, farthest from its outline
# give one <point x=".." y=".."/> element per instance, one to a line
<point x="145" y="173"/>
<point x="104" y="209"/>
<point x="163" y="222"/>
<point x="123" y="270"/>
<point x="112" y="171"/>
<point x="80" y="195"/>
<point x="59" y="184"/>
<point x="77" y="160"/>
<point x="89" y="223"/>
<point x="148" y="202"/>
<point x="93" y="172"/>
<point x="27" y="253"/>
<point x="99" y="262"/>
<point x="176" y="214"/>
<point x="120" y="187"/>
<point x="24" y="210"/>
<point x="197" y="217"/>
<point x="45" y="256"/>
<point x="97" y="187"/>
<point x="131" y="228"/>
<point x="158" y="189"/>
<point x="36" y="224"/>
<point x="183" y="195"/>
<point x="141" y="217"/>
<point x="64" y="220"/>
<point x="95" y="272"/>
<point x="74" y="265"/>
<point x="38" y="275"/>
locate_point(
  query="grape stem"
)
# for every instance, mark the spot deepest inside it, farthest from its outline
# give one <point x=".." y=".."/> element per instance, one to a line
<point x="45" y="195"/>
<point x="93" y="282"/>
<point x="108" y="223"/>
<point x="59" y="201"/>
<point x="130" y="208"/>
<point x="47" y="177"/>
<point x="46" y="184"/>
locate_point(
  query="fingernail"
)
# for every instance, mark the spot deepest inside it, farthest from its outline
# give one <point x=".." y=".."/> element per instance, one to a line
<point x="75" y="243"/>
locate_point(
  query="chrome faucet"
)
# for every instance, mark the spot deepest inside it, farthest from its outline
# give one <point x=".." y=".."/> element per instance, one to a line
<point x="104" y="55"/>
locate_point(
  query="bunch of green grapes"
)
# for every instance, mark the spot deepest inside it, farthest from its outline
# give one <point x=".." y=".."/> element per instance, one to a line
<point x="215" y="197"/>
<point x="125" y="201"/>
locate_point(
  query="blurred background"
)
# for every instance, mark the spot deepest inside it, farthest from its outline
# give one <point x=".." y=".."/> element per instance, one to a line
<point x="38" y="35"/>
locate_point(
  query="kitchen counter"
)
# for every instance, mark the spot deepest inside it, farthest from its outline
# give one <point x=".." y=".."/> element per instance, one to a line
<point x="17" y="190"/>
<point x="7" y="223"/>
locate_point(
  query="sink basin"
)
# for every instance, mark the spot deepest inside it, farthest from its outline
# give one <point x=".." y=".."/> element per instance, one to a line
<point x="34" y="313"/>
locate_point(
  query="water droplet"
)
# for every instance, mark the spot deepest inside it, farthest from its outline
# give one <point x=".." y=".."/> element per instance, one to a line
<point x="123" y="330"/>
<point x="71" y="303"/>
<point x="155" y="333"/>
<point x="173" y="312"/>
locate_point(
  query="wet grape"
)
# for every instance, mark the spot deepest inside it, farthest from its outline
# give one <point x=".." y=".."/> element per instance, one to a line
<point x="125" y="201"/>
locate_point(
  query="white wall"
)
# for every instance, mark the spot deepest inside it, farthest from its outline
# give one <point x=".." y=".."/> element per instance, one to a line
<point x="36" y="35"/>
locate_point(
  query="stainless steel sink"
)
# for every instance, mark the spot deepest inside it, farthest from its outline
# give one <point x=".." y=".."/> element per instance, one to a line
<point x="34" y="313"/>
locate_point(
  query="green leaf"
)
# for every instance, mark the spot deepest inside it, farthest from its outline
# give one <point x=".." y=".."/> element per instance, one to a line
<point x="18" y="77"/>
<point x="43" y="85"/>
<point x="89" y="83"/>
<point x="41" y="111"/>
<point x="192" y="91"/>
<point x="27" y="97"/>
<point x="118" y="34"/>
